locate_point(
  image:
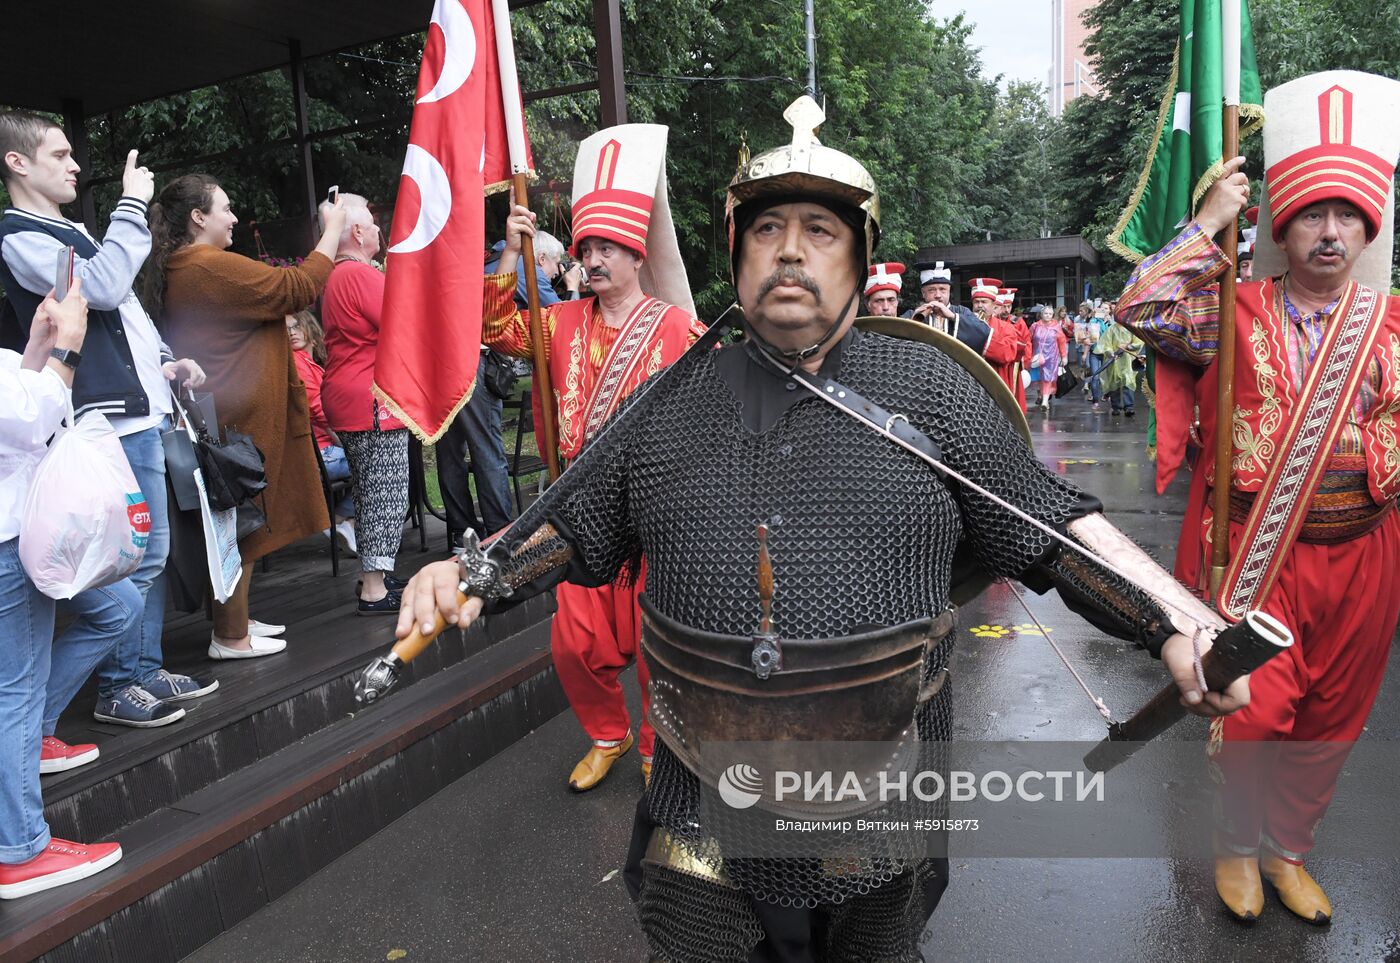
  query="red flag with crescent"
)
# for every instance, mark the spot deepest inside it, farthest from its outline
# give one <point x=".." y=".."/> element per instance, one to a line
<point x="430" y="329"/>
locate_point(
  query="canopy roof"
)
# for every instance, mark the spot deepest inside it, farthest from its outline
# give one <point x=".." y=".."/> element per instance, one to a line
<point x="105" y="55"/>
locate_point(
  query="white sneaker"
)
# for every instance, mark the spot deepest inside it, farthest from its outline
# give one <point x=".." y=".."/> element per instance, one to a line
<point x="261" y="647"/>
<point x="347" y="532"/>
<point x="264" y="630"/>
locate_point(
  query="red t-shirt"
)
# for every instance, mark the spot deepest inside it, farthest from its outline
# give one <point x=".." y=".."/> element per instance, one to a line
<point x="350" y="309"/>
<point x="311" y="374"/>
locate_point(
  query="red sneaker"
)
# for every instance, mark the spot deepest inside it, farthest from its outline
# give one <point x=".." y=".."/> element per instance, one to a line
<point x="57" y="756"/>
<point x="62" y="862"/>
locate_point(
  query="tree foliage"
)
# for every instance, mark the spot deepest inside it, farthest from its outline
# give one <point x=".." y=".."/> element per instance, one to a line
<point x="1103" y="140"/>
<point x="955" y="160"/>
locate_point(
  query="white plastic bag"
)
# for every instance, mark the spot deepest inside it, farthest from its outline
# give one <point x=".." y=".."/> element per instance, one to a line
<point x="85" y="521"/>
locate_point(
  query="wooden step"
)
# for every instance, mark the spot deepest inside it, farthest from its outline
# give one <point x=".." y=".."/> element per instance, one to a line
<point x="213" y="855"/>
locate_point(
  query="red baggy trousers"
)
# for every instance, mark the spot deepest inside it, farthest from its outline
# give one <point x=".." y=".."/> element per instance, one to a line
<point x="1342" y="603"/>
<point x="595" y="635"/>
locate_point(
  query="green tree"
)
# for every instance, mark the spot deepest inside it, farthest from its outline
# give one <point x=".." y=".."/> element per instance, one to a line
<point x="955" y="160"/>
<point x="1103" y="140"/>
<point x="1100" y="146"/>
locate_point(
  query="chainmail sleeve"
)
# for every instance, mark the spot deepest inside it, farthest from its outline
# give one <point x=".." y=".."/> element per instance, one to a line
<point x="533" y="566"/>
<point x="1105" y="600"/>
<point x="579" y="530"/>
<point x="979" y="442"/>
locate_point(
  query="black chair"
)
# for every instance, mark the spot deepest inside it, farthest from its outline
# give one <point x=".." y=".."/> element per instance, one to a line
<point x="523" y="464"/>
<point x="418" y="492"/>
<point x="334" y="492"/>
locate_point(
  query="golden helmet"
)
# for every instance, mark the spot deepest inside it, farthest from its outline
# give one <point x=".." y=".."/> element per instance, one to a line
<point x="804" y="168"/>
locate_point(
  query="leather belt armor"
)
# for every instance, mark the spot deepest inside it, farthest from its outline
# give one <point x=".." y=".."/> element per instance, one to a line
<point x="856" y="688"/>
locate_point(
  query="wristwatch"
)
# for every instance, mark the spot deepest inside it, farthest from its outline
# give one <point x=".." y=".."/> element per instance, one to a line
<point x="66" y="356"/>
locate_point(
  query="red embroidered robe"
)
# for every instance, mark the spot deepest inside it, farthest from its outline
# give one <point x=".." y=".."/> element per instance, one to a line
<point x="592" y="366"/>
<point x="1172" y="302"/>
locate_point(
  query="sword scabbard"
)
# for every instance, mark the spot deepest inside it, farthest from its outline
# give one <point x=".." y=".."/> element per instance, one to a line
<point x="1237" y="651"/>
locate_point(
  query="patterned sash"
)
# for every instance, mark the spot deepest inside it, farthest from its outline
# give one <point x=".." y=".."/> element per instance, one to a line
<point x="1281" y="506"/>
<point x="621" y="361"/>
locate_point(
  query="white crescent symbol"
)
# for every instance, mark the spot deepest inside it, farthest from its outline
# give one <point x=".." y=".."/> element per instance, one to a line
<point x="436" y="192"/>
<point x="459" y="50"/>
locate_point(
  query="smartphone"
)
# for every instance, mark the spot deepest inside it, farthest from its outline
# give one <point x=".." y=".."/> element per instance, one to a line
<point x="63" y="273"/>
<point x="333" y="194"/>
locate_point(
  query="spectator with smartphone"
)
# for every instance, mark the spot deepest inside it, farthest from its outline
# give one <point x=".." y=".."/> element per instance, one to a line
<point x="34" y="389"/>
<point x="230" y="311"/>
<point x="125" y="374"/>
<point x="375" y="442"/>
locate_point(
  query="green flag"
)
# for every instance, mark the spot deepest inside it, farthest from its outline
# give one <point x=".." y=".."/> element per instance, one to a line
<point x="1185" y="158"/>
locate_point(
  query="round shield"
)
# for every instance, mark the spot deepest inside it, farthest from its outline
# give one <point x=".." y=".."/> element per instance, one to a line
<point x="969" y="581"/>
<point x="970" y="360"/>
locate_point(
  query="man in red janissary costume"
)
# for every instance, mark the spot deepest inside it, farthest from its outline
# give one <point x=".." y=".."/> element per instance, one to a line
<point x="882" y="286"/>
<point x="1003" y="351"/>
<point x="1008" y="344"/>
<point x="599" y="349"/>
<point x="1006" y="309"/>
<point x="1314" y="534"/>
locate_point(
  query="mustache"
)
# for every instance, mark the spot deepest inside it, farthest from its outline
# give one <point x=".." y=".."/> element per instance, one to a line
<point x="1328" y="247"/>
<point x="600" y="272"/>
<point x="789" y="274"/>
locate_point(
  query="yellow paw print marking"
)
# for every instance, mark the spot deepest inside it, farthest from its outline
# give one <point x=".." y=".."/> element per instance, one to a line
<point x="990" y="631"/>
<point x="1029" y="628"/>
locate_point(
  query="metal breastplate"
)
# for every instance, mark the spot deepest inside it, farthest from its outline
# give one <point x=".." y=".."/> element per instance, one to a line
<point x="856" y="688"/>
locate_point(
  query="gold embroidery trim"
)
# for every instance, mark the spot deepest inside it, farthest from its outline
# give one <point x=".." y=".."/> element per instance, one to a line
<point x="1385" y="422"/>
<point x="1255" y="453"/>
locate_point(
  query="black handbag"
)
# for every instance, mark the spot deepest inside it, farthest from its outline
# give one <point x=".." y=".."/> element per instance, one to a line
<point x="1066" y="382"/>
<point x="499" y="375"/>
<point x="180" y="460"/>
<point x="232" y="468"/>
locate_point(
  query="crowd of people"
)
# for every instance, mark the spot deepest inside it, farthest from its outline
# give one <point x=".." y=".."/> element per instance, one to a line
<point x="1033" y="357"/>
<point x="287" y="354"/>
<point x="651" y="562"/>
<point x="1311" y="483"/>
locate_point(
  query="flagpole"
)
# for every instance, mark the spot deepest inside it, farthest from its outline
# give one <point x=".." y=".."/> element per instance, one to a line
<point x="519" y="165"/>
<point x="1225" y="360"/>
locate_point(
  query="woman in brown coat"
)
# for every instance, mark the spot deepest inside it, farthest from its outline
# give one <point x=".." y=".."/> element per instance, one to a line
<point x="228" y="312"/>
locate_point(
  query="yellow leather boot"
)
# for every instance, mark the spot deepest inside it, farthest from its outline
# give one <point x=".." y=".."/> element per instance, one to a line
<point x="646" y="773"/>
<point x="1237" y="881"/>
<point x="1299" y="891"/>
<point x="592" y="768"/>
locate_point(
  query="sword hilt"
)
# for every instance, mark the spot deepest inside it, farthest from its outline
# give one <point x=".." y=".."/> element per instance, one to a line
<point x="382" y="674"/>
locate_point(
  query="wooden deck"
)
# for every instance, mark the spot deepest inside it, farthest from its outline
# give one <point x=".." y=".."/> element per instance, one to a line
<point x="278" y="771"/>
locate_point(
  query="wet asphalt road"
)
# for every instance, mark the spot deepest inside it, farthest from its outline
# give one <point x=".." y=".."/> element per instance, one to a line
<point x="507" y="864"/>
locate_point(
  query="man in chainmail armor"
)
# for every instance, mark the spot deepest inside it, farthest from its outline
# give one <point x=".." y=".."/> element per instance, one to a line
<point x="862" y="535"/>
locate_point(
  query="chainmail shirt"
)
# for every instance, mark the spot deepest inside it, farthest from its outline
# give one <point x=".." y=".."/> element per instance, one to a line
<point x="861" y="532"/>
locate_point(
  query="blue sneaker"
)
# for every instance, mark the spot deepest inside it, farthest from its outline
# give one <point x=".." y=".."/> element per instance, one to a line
<point x="169" y="687"/>
<point x="134" y="706"/>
